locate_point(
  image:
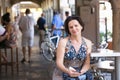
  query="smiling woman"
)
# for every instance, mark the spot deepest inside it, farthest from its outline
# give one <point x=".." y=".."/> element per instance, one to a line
<point x="73" y="53"/>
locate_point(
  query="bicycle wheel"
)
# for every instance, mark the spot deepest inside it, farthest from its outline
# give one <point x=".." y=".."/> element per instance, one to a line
<point x="101" y="78"/>
<point x="48" y="50"/>
<point x="98" y="77"/>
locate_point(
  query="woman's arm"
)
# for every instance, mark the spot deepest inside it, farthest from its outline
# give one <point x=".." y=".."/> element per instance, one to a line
<point x="60" y="55"/>
<point x="86" y="65"/>
<point x="3" y="37"/>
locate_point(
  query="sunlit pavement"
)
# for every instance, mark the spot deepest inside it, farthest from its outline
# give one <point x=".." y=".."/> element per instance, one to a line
<point x="38" y="69"/>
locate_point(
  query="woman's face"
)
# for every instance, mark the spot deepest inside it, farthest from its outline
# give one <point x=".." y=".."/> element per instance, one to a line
<point x="74" y="27"/>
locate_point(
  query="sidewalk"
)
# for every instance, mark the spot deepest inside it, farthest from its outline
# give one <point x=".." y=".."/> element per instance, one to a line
<point x="38" y="69"/>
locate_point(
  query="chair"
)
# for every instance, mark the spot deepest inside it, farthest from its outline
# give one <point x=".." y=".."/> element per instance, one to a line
<point x="11" y="57"/>
<point x="104" y="66"/>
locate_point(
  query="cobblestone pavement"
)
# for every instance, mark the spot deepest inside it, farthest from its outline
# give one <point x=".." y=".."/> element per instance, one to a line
<point x="38" y="69"/>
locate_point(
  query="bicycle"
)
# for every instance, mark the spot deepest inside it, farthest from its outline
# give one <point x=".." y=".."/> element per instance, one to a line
<point x="48" y="48"/>
<point x="96" y="74"/>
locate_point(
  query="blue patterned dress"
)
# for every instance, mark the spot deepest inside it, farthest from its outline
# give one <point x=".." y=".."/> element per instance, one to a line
<point x="72" y="59"/>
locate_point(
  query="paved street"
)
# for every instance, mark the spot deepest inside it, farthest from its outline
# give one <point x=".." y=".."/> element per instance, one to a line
<point x="38" y="69"/>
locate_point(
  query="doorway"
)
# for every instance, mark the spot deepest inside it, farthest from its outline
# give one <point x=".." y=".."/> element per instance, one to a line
<point x="105" y="23"/>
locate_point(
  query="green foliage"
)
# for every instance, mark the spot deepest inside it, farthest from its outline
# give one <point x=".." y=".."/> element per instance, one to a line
<point x="109" y="34"/>
<point x="102" y="36"/>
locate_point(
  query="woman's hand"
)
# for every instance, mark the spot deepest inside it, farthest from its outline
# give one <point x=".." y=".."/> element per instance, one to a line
<point x="7" y="36"/>
<point x="73" y="73"/>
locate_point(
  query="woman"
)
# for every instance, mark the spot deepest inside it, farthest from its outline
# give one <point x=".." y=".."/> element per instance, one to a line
<point x="11" y="38"/>
<point x="73" y="53"/>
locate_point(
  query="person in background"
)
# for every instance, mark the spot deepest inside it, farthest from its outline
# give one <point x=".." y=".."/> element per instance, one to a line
<point x="57" y="25"/>
<point x="41" y="22"/>
<point x="66" y="14"/>
<point x="11" y="38"/>
<point x="73" y="53"/>
<point x="7" y="33"/>
<point x="26" y="25"/>
<point x="16" y="27"/>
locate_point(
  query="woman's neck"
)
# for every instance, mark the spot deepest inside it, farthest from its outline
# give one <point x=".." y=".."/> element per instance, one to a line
<point x="76" y="38"/>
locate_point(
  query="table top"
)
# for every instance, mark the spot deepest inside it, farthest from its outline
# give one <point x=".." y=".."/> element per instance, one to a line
<point x="105" y="53"/>
<point x="104" y="65"/>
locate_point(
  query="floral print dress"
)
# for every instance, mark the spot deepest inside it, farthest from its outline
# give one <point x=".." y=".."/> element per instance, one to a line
<point x="72" y="59"/>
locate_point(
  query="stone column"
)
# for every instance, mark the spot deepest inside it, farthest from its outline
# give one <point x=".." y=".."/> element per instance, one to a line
<point x="116" y="24"/>
<point x="0" y="8"/>
<point x="3" y="10"/>
<point x="56" y="5"/>
<point x="89" y="12"/>
<point x="116" y="34"/>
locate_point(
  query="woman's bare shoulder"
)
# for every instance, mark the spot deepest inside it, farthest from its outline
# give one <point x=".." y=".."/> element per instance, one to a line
<point x="63" y="41"/>
<point x="87" y="41"/>
<point x="89" y="45"/>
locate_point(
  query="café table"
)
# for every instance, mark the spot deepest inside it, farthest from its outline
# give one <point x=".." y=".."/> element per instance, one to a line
<point x="110" y="53"/>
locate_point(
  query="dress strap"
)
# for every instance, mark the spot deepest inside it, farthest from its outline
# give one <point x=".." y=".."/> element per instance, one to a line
<point x="84" y="42"/>
<point x="68" y="42"/>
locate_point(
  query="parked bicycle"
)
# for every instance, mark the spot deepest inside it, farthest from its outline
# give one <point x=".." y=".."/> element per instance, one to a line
<point x="48" y="48"/>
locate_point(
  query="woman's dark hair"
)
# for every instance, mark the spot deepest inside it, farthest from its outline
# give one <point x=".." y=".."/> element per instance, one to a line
<point x="73" y="18"/>
<point x="5" y="18"/>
